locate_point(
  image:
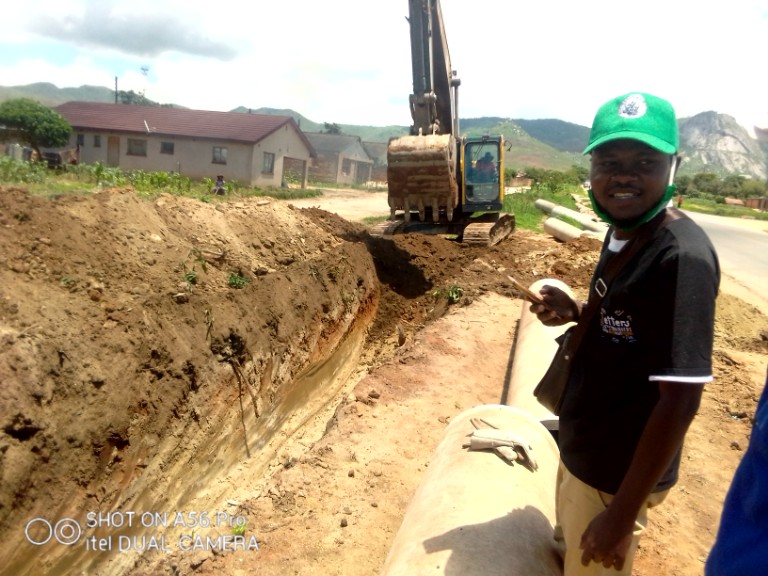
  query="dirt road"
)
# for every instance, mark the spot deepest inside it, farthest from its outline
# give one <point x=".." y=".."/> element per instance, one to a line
<point x="350" y="204"/>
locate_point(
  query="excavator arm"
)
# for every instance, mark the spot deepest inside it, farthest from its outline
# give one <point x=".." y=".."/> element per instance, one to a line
<point x="422" y="167"/>
<point x="435" y="89"/>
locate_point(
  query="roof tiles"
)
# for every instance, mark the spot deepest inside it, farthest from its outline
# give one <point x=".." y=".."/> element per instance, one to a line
<point x="229" y="126"/>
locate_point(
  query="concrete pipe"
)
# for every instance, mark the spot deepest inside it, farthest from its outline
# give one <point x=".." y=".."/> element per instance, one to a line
<point x="565" y="232"/>
<point x="474" y="513"/>
<point x="585" y="220"/>
<point x="534" y="348"/>
<point x="561" y="230"/>
<point x="544" y="205"/>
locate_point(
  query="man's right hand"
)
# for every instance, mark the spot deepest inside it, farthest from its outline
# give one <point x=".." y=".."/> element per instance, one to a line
<point x="557" y="308"/>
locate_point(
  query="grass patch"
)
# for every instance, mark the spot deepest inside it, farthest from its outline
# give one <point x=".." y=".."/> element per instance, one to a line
<point x="235" y="280"/>
<point x="707" y="206"/>
<point x="522" y="204"/>
<point x="54" y="188"/>
<point x="452" y="293"/>
<point x="371" y="220"/>
<point x="571" y="222"/>
<point x="89" y="178"/>
<point x="278" y="193"/>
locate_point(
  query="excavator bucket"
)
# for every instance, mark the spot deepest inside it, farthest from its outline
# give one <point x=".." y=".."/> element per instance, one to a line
<point x="421" y="174"/>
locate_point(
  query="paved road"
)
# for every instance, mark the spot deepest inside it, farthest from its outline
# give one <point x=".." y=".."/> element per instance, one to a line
<point x="742" y="246"/>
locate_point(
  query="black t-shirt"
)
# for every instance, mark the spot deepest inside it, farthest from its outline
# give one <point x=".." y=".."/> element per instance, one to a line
<point x="656" y="323"/>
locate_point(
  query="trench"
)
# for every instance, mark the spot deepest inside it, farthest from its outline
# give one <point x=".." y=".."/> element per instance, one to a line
<point x="201" y="472"/>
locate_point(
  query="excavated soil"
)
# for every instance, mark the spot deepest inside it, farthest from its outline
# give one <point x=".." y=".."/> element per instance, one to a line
<point x="170" y="369"/>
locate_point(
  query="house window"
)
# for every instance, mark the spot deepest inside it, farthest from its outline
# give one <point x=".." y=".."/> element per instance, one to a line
<point x="166" y="147"/>
<point x="81" y="139"/>
<point x="219" y="155"/>
<point x="269" y="163"/>
<point x="137" y="147"/>
<point x="97" y="140"/>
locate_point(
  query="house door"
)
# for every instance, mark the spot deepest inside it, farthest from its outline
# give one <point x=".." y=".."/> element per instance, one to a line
<point x="113" y="151"/>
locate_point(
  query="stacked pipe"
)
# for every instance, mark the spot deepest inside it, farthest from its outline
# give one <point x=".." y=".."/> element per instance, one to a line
<point x="476" y="513"/>
<point x="563" y="230"/>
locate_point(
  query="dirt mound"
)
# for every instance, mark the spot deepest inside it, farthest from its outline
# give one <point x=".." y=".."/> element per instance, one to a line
<point x="164" y="354"/>
<point x="125" y="321"/>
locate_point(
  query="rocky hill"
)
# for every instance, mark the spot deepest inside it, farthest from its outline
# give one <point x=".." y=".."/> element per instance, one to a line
<point x="714" y="142"/>
<point x="709" y="141"/>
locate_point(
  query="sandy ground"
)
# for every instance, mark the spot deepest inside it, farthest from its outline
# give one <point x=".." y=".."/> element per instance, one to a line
<point x="306" y="399"/>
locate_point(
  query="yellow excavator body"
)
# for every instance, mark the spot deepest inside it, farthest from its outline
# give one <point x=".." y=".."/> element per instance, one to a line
<point x="438" y="182"/>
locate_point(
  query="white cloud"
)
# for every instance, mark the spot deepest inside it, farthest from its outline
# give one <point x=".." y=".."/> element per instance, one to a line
<point x="349" y="62"/>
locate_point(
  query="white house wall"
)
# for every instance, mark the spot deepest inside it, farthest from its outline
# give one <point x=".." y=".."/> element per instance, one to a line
<point x="285" y="142"/>
<point x="359" y="165"/>
<point x="194" y="157"/>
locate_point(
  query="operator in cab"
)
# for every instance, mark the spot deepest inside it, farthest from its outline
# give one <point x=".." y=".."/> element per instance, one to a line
<point x="485" y="168"/>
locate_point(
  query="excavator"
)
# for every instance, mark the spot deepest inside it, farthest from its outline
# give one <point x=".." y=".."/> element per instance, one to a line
<point x="440" y="182"/>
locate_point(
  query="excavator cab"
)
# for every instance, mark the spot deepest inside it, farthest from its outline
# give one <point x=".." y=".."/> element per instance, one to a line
<point x="482" y="174"/>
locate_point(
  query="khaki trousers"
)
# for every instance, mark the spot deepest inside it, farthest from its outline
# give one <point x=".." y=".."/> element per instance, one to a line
<point x="577" y="504"/>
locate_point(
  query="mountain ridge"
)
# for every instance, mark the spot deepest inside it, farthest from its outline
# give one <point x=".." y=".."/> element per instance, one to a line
<point x="709" y="141"/>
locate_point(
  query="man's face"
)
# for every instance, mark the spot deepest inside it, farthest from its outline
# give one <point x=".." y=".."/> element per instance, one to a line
<point x="628" y="177"/>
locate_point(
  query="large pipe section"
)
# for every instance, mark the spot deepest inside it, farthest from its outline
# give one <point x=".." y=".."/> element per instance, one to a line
<point x="474" y="513"/>
<point x="561" y="229"/>
<point x="565" y="232"/>
<point x="534" y="349"/>
<point x="584" y="220"/>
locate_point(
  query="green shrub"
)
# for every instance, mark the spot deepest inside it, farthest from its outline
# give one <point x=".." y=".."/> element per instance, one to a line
<point x="19" y="171"/>
<point x="235" y="280"/>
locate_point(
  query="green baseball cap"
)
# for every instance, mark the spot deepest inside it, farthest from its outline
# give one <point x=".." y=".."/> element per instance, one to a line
<point x="636" y="116"/>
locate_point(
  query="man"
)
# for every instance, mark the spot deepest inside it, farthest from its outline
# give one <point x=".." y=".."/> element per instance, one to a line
<point x="639" y="372"/>
<point x="485" y="168"/>
<point x="740" y="544"/>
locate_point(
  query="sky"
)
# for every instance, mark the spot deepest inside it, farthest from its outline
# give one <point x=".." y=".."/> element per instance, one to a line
<point x="348" y="61"/>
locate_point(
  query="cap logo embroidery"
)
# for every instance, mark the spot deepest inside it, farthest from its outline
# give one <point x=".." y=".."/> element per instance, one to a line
<point x="633" y="106"/>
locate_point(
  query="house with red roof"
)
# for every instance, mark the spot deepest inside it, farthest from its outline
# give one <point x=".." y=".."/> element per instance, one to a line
<point x="249" y="148"/>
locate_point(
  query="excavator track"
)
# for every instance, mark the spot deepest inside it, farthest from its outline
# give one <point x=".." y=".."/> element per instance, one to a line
<point x="414" y="226"/>
<point x="386" y="228"/>
<point x="489" y="233"/>
<point x="477" y="233"/>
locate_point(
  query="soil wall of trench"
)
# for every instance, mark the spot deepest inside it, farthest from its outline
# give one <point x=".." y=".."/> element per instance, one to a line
<point x="148" y="350"/>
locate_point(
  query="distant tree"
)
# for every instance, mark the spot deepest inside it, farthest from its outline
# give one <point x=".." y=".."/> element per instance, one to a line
<point x="132" y="98"/>
<point x="732" y="186"/>
<point x="332" y="128"/>
<point x="754" y="188"/>
<point x="26" y="121"/>
<point x="683" y="183"/>
<point x="554" y="178"/>
<point x="580" y="173"/>
<point x="706" y="183"/>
